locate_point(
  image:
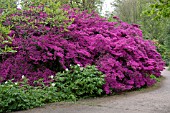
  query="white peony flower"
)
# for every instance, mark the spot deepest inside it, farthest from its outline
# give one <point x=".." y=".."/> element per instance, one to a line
<point x="81" y="68"/>
<point x="23" y="76"/>
<point x="53" y="84"/>
<point x="66" y="69"/>
<point x="51" y="76"/>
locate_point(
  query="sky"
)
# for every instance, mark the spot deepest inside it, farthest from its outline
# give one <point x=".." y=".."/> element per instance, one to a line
<point x="107" y="6"/>
<point x="18" y="6"/>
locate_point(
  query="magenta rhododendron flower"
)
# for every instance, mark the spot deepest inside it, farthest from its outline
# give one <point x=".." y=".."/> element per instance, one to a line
<point x="116" y="48"/>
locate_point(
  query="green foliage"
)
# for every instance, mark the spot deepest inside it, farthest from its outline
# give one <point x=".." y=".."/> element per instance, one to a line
<point x="6" y="8"/>
<point x="7" y="49"/>
<point x="78" y="82"/>
<point x="155" y="27"/>
<point x="161" y="8"/>
<point x="168" y="38"/>
<point x="162" y="49"/>
<point x="5" y="39"/>
<point x="159" y="13"/>
<point x="56" y="16"/>
<point x="155" y="78"/>
<point x="20" y="96"/>
<point x="7" y="4"/>
<point x="89" y="5"/>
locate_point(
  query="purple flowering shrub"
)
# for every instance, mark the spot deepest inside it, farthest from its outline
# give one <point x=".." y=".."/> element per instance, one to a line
<point x="116" y="48"/>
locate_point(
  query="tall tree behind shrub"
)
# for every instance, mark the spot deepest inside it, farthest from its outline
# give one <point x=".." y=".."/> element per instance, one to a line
<point x="90" y="5"/>
<point x="161" y="11"/>
<point x="161" y="8"/>
<point x="131" y="11"/>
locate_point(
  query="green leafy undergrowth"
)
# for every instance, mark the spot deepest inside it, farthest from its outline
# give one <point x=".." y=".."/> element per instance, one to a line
<point x="70" y="85"/>
<point x="155" y="78"/>
<point x="20" y="96"/>
<point x="80" y="82"/>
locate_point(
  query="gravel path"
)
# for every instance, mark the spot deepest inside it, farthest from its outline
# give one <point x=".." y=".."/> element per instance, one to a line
<point x="151" y="100"/>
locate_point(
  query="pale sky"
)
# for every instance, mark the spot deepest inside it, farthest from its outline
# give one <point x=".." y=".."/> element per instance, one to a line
<point x="18" y="6"/>
<point x="107" y="6"/>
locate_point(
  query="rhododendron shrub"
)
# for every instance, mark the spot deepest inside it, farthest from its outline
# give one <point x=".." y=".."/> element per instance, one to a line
<point x="116" y="48"/>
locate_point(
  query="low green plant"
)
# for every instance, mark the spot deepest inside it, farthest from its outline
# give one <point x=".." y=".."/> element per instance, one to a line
<point x="80" y="81"/>
<point x="70" y="85"/>
<point x="20" y="96"/>
<point x="155" y="78"/>
<point x="164" y="51"/>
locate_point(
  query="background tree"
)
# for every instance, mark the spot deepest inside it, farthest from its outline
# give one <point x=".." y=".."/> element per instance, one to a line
<point x="89" y="5"/>
<point x="134" y="11"/>
<point x="161" y="8"/>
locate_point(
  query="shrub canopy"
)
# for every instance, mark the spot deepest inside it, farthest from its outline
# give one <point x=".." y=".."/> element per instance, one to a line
<point x="45" y="45"/>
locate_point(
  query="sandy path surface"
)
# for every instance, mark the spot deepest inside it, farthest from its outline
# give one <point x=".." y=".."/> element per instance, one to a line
<point x="151" y="100"/>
